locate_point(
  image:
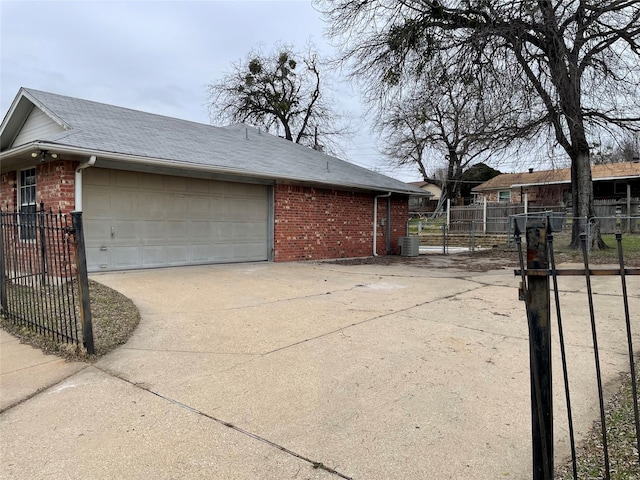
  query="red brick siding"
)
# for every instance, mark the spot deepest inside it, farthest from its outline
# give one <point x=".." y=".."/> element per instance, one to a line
<point x="538" y="195"/>
<point x="315" y="223"/>
<point x="8" y="191"/>
<point x="55" y="187"/>
<point x="55" y="184"/>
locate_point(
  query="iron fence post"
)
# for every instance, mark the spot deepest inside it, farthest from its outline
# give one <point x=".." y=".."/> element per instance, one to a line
<point x="3" y="275"/>
<point x="83" y="282"/>
<point x="538" y="299"/>
<point x="39" y="217"/>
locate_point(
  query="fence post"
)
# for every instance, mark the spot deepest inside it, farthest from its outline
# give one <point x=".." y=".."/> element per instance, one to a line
<point x="3" y="274"/>
<point x="628" y="207"/>
<point x="40" y="225"/>
<point x="448" y="212"/>
<point x="83" y="282"/>
<point x="540" y="350"/>
<point x="484" y="215"/>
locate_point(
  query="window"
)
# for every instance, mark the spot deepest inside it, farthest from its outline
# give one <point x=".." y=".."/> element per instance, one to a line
<point x="504" y="196"/>
<point x="620" y="188"/>
<point x="27" y="203"/>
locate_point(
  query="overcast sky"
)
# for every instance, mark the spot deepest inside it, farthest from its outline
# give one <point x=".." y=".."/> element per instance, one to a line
<point x="158" y="56"/>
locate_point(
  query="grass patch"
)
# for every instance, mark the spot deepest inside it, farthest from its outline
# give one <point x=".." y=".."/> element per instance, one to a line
<point x="115" y="318"/>
<point x="426" y="225"/>
<point x="630" y="249"/>
<point x="621" y="440"/>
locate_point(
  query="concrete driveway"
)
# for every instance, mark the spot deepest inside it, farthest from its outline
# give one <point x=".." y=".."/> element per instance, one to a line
<point x="314" y="371"/>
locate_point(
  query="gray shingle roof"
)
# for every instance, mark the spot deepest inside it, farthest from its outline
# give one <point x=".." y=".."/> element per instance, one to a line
<point x="239" y="149"/>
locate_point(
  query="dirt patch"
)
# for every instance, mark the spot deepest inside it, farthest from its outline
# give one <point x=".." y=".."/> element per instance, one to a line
<point x="479" y="261"/>
<point x="115" y="318"/>
<point x="483" y="260"/>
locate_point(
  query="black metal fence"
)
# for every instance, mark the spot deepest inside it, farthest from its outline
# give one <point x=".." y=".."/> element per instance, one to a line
<point x="536" y="292"/>
<point x="43" y="275"/>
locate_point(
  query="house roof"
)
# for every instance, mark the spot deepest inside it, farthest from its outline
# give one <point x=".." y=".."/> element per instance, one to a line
<point x="136" y="137"/>
<point x="608" y="171"/>
<point x="422" y="186"/>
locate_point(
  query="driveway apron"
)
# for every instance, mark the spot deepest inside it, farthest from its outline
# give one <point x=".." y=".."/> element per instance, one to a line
<point x="314" y="370"/>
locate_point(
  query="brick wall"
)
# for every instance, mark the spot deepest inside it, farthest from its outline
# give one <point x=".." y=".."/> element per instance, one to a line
<point x="315" y="223"/>
<point x="8" y="191"/>
<point x="54" y="186"/>
<point x="538" y="195"/>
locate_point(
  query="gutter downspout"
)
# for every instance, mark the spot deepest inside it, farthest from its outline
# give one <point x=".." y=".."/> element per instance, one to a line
<point x="78" y="181"/>
<point x="375" y="221"/>
<point x="388" y="233"/>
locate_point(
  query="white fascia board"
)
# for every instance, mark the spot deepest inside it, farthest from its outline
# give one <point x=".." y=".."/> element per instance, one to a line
<point x="599" y="179"/>
<point x="188" y="166"/>
<point x="540" y="184"/>
<point x="27" y="147"/>
<point x="627" y="177"/>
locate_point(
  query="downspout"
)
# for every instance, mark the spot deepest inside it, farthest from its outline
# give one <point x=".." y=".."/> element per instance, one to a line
<point x="78" y="182"/>
<point x="388" y="225"/>
<point x="375" y="221"/>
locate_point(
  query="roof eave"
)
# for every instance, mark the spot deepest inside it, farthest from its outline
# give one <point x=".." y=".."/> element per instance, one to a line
<point x="165" y="163"/>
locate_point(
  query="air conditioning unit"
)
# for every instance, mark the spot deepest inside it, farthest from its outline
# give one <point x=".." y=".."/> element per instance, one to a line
<point x="409" y="246"/>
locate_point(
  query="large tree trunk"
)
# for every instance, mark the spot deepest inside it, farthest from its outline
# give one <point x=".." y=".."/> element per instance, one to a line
<point x="584" y="219"/>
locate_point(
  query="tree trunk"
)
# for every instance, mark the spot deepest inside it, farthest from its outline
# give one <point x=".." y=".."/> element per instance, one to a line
<point x="584" y="219"/>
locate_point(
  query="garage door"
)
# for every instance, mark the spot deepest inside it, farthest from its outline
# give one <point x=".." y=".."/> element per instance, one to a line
<point x="141" y="220"/>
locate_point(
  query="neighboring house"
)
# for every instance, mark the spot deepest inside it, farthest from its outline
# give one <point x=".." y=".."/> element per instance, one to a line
<point x="159" y="191"/>
<point x="429" y="200"/>
<point x="614" y="181"/>
<point x="431" y="187"/>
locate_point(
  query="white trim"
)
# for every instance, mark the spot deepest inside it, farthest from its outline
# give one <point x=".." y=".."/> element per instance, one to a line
<point x="539" y="184"/>
<point x="19" y="204"/>
<point x="157" y="162"/>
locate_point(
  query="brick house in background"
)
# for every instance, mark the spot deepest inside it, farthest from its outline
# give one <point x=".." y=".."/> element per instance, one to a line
<point x="159" y="191"/>
<point x="611" y="181"/>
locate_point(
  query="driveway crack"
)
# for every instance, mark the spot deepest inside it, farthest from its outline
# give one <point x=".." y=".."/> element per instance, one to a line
<point x="314" y="464"/>
<point x="377" y="317"/>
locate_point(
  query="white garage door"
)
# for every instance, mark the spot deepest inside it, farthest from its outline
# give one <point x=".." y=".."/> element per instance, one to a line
<point x="142" y="220"/>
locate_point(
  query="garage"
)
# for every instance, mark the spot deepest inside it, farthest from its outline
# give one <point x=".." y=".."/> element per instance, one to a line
<point x="142" y="220"/>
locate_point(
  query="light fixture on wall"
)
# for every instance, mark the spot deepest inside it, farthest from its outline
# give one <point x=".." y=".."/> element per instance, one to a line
<point x="43" y="154"/>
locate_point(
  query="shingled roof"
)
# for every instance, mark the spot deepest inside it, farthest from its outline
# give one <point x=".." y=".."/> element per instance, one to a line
<point x="108" y="131"/>
<point x="608" y="171"/>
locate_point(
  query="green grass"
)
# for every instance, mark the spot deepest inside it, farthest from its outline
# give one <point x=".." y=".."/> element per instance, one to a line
<point x="428" y="225"/>
<point x="630" y="249"/>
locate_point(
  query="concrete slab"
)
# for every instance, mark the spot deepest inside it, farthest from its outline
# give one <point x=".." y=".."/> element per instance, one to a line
<point x="96" y="426"/>
<point x="372" y="371"/>
<point x="25" y="370"/>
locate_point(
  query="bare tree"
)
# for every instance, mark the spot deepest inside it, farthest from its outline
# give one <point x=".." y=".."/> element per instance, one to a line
<point x="281" y="92"/>
<point x="576" y="61"/>
<point x="624" y="149"/>
<point x="455" y="120"/>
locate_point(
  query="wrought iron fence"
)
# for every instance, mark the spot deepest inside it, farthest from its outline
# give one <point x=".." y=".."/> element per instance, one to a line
<point x="44" y="284"/>
<point x="536" y="293"/>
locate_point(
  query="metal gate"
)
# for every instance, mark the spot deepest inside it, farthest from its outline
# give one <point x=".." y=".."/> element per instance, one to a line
<point x="43" y="275"/>
<point x="536" y="292"/>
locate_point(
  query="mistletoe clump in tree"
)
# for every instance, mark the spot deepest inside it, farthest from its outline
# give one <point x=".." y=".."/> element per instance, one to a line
<point x="281" y="92"/>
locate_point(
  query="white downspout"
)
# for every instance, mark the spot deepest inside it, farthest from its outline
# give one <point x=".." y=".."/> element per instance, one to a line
<point x="78" y="181"/>
<point x="375" y="221"/>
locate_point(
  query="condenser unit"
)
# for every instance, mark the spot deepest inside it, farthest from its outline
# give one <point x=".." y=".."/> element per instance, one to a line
<point x="409" y="246"/>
